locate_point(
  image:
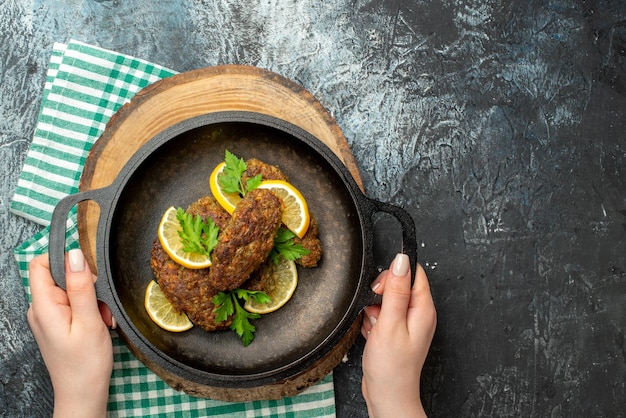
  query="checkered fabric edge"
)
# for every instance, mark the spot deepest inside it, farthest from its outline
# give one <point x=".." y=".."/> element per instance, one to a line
<point x="84" y="87"/>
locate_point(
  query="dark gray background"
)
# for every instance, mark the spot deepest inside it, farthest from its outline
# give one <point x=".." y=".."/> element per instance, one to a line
<point x="499" y="125"/>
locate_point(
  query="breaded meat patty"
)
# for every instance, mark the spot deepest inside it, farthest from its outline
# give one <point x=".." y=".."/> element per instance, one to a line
<point x="244" y="244"/>
<point x="190" y="290"/>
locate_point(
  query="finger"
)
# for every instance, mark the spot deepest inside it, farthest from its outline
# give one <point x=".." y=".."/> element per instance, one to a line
<point x="397" y="291"/>
<point x="39" y="276"/>
<point x="365" y="325"/>
<point x="421" y="284"/>
<point x="421" y="288"/>
<point x="43" y="289"/>
<point x="378" y="285"/>
<point x="373" y="310"/>
<point x="421" y="298"/>
<point x="80" y="287"/>
<point x="107" y="315"/>
<point x="422" y="316"/>
<point x="370" y="314"/>
<point x="365" y="333"/>
<point x="370" y="317"/>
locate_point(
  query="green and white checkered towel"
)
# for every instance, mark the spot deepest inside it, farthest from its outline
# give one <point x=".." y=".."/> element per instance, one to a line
<point x="85" y="85"/>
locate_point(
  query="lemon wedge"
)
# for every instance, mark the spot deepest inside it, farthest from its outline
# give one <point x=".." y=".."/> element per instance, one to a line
<point x="170" y="240"/>
<point x="227" y="200"/>
<point x="162" y="312"/>
<point x="296" y="214"/>
<point x="283" y="283"/>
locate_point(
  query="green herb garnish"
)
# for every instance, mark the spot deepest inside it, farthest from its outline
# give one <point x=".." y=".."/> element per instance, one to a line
<point x="285" y="246"/>
<point x="231" y="180"/>
<point x="196" y="235"/>
<point x="227" y="304"/>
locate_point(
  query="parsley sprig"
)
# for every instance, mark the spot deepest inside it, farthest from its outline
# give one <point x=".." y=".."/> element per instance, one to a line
<point x="227" y="304"/>
<point x="231" y="178"/>
<point x="196" y="235"/>
<point x="285" y="246"/>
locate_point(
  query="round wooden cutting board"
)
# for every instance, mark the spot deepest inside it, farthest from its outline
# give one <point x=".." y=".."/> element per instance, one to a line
<point x="187" y="95"/>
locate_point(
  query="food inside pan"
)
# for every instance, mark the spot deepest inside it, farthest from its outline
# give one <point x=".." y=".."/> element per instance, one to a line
<point x="231" y="256"/>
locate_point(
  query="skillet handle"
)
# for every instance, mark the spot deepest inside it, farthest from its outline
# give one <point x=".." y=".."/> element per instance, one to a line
<point x="409" y="240"/>
<point x="56" y="247"/>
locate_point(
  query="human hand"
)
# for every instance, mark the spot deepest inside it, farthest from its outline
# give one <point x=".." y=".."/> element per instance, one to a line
<point x="398" y="334"/>
<point x="71" y="330"/>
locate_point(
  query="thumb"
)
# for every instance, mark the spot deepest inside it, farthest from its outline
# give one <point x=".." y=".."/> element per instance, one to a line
<point x="81" y="292"/>
<point x="397" y="293"/>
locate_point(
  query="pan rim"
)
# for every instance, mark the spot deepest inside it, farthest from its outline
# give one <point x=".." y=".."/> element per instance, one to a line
<point x="136" y="337"/>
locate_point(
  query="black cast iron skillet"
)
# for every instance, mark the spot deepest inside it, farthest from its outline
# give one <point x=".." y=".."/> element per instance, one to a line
<point x="172" y="169"/>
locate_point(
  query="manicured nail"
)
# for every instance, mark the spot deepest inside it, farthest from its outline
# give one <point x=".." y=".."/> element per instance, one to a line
<point x="401" y="265"/>
<point x="77" y="260"/>
<point x="375" y="285"/>
<point x="113" y="323"/>
<point x="373" y="320"/>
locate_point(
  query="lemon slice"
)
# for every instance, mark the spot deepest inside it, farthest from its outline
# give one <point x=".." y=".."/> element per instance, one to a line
<point x="162" y="312"/>
<point x="170" y="240"/>
<point x="296" y="214"/>
<point x="227" y="200"/>
<point x="284" y="282"/>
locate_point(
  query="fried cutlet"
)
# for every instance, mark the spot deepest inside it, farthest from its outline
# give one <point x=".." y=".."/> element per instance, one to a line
<point x="208" y="207"/>
<point x="310" y="241"/>
<point x="189" y="290"/>
<point x="254" y="167"/>
<point x="261" y="278"/>
<point x="244" y="244"/>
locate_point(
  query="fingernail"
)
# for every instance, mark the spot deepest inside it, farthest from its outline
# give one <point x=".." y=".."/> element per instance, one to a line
<point x="375" y="285"/>
<point x="401" y="265"/>
<point x="77" y="260"/>
<point x="373" y="320"/>
<point x="113" y="323"/>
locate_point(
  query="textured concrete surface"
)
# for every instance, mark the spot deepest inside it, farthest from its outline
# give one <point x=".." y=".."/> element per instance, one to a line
<point x="500" y="127"/>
